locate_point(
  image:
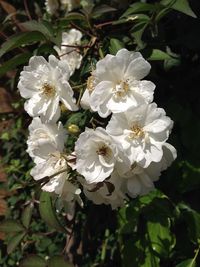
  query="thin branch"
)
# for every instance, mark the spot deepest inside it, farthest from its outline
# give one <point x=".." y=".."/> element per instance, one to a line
<point x="27" y="10"/>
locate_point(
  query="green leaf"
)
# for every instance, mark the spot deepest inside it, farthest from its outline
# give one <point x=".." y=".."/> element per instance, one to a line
<point x="44" y="27"/>
<point x="9" y="226"/>
<point x="157" y="54"/>
<point x="187" y="263"/>
<point x="14" y="62"/>
<point x="160" y="237"/>
<point x="14" y="242"/>
<point x="150" y="259"/>
<point x="180" y="5"/>
<point x="192" y="219"/>
<point x="137" y="32"/>
<point x="137" y="8"/>
<point x="73" y="16"/>
<point x="115" y="45"/>
<point x="58" y="261"/>
<point x="47" y="212"/>
<point x="99" y="10"/>
<point x="33" y="261"/>
<point x="26" y="215"/>
<point x="25" y="38"/>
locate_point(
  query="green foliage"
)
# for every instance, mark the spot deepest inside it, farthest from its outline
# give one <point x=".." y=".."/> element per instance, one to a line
<point x="159" y="229"/>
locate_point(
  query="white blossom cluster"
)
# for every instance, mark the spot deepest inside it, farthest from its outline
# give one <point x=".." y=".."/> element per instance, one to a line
<point x="111" y="164"/>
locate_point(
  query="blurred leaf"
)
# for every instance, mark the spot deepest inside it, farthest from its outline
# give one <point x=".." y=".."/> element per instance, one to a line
<point x="150" y="259"/>
<point x="115" y="45"/>
<point x="187" y="263"/>
<point x="47" y="212"/>
<point x="58" y="261"/>
<point x="14" y="62"/>
<point x="33" y="261"/>
<point x="192" y="219"/>
<point x="14" y="242"/>
<point x="27" y="214"/>
<point x="99" y="10"/>
<point x="137" y="8"/>
<point x="24" y="38"/>
<point x="160" y="237"/>
<point x="137" y="32"/>
<point x="158" y="55"/>
<point x="180" y="5"/>
<point x="44" y="27"/>
<point x="9" y="226"/>
<point x="74" y="16"/>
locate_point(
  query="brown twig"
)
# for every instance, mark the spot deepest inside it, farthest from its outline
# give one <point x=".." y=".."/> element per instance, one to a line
<point x="27" y="10"/>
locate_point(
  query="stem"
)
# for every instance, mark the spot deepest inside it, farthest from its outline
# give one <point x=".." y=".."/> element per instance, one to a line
<point x="27" y="10"/>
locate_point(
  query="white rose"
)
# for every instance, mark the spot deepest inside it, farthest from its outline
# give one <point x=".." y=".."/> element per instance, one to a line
<point x="115" y="85"/>
<point x="45" y="84"/>
<point x="70" y="54"/>
<point x="140" y="181"/>
<point x="56" y="172"/>
<point x="51" y="6"/>
<point x="97" y="155"/>
<point x="142" y="131"/>
<point x="107" y="192"/>
<point x="45" y="139"/>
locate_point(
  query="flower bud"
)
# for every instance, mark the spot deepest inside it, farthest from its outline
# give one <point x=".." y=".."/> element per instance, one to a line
<point x="73" y="129"/>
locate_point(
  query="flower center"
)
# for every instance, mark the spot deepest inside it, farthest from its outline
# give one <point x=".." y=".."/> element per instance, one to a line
<point x="48" y="90"/>
<point x="121" y="89"/>
<point x="136" y="132"/>
<point x="104" y="151"/>
<point x="90" y="84"/>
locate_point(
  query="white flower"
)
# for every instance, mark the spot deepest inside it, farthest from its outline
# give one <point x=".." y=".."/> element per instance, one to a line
<point x="97" y="155"/>
<point x="107" y="192"/>
<point x="68" y="50"/>
<point x="51" y="6"/>
<point x="140" y="181"/>
<point x="45" y="84"/>
<point x="69" y="5"/>
<point x="142" y="131"/>
<point x="115" y="85"/>
<point x="45" y="139"/>
<point x="56" y="171"/>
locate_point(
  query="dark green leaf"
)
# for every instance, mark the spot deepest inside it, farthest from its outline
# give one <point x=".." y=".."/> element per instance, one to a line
<point x="44" y="27"/>
<point x="137" y="32"/>
<point x="73" y="16"/>
<point x="192" y="219"/>
<point x="14" y="62"/>
<point x="99" y="10"/>
<point x="27" y="214"/>
<point x="115" y="45"/>
<point x="8" y="226"/>
<point x="180" y="5"/>
<point x="47" y="212"/>
<point x="24" y="38"/>
<point x="58" y="261"/>
<point x="187" y="263"/>
<point x="33" y="261"/>
<point x="14" y="242"/>
<point x="137" y="8"/>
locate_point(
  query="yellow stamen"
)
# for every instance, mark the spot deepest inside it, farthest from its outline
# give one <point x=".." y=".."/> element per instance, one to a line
<point x="136" y="132"/>
<point x="48" y="90"/>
